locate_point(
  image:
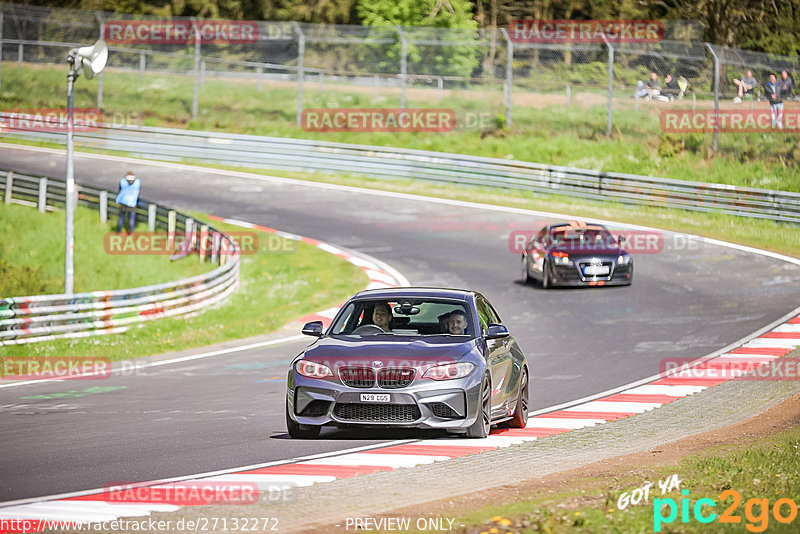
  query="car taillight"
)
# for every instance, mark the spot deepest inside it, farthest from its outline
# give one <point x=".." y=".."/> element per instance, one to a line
<point x="449" y="371"/>
<point x="313" y="369"/>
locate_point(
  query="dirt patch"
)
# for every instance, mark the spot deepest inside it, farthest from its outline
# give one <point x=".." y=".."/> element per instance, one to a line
<point x="781" y="417"/>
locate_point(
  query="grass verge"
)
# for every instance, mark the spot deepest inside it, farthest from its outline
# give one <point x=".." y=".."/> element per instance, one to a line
<point x="32" y="255"/>
<point x="544" y="129"/>
<point x="275" y="288"/>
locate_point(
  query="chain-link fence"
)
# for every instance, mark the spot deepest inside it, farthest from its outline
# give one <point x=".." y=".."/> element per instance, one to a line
<point x="393" y="66"/>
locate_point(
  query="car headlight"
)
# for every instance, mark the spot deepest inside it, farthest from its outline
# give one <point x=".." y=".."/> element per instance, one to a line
<point x="449" y="371"/>
<point x="623" y="259"/>
<point x="313" y="369"/>
<point x="561" y="258"/>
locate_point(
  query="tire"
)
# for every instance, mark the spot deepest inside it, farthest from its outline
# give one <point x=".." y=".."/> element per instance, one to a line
<point x="483" y="423"/>
<point x="546" y="282"/>
<point x="526" y="276"/>
<point x="298" y="431"/>
<point x="520" y="417"/>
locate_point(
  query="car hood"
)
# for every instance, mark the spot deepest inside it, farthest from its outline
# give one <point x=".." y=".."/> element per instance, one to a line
<point x="414" y="352"/>
<point x="586" y="250"/>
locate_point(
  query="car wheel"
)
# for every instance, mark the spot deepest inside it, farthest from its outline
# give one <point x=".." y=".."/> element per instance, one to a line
<point x="520" y="417"/>
<point x="298" y="431"/>
<point x="547" y="283"/>
<point x="526" y="276"/>
<point x="483" y="423"/>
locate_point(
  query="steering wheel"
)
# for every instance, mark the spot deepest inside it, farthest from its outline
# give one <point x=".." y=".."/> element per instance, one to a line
<point x="368" y="329"/>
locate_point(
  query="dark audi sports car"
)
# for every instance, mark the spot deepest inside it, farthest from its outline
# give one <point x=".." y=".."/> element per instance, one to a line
<point x="577" y="254"/>
<point x="409" y="357"/>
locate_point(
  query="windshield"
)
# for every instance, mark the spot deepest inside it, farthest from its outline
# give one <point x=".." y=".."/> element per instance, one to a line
<point x="404" y="317"/>
<point x="587" y="237"/>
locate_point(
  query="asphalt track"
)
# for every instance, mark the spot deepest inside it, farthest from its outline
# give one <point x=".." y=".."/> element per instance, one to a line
<point x="688" y="300"/>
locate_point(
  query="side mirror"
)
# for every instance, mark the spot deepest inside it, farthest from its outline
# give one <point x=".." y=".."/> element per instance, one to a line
<point x="314" y="328"/>
<point x="497" y="331"/>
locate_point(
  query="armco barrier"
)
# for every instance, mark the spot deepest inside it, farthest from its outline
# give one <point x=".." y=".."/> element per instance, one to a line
<point x="46" y="317"/>
<point x="387" y="162"/>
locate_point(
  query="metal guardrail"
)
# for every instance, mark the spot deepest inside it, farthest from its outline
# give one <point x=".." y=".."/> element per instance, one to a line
<point x="45" y="317"/>
<point x="388" y="162"/>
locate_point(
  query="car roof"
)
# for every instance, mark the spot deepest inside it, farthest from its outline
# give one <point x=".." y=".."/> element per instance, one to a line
<point x="393" y="293"/>
<point x="577" y="225"/>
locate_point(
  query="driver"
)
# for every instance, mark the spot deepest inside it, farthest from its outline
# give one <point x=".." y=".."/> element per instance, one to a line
<point x="382" y="315"/>
<point x="457" y="323"/>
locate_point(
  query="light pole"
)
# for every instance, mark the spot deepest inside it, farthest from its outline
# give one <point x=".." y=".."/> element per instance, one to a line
<point x="86" y="60"/>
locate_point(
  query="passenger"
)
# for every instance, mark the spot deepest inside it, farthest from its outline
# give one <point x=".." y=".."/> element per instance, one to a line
<point x="457" y="323"/>
<point x="382" y="316"/>
<point x="443" y="322"/>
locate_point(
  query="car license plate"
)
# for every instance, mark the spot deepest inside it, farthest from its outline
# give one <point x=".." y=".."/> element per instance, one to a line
<point x="595" y="269"/>
<point x="375" y="397"/>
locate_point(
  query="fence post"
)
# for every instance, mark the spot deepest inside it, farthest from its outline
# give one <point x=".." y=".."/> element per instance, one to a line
<point x="509" y="76"/>
<point x="42" y="195"/>
<point x="301" y="53"/>
<point x="100" y="76"/>
<point x="569" y="95"/>
<point x="610" y="83"/>
<point x="103" y="207"/>
<point x="188" y="226"/>
<point x="715" y="145"/>
<point x="9" y="186"/>
<point x="376" y="88"/>
<point x="259" y="75"/>
<point x="142" y="63"/>
<point x="171" y="215"/>
<point x="321" y="79"/>
<point x="151" y="217"/>
<point x="1" y="49"/>
<point x="403" y="65"/>
<point x="196" y="93"/>
<point x="440" y="86"/>
<point x="202" y="72"/>
<point x="20" y="52"/>
<point x="203" y="242"/>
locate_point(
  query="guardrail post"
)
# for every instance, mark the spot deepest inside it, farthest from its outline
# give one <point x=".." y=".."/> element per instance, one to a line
<point x="100" y="76"/>
<point x="142" y="64"/>
<point x="403" y="65"/>
<point x="259" y="74"/>
<point x="42" y="195"/>
<point x="202" y="72"/>
<point x="301" y="53"/>
<point x="223" y="251"/>
<point x="196" y="91"/>
<point x="440" y="86"/>
<point x="151" y="217"/>
<point x="214" y="247"/>
<point x="171" y="216"/>
<point x="9" y="186"/>
<point x="715" y="145"/>
<point x="321" y="79"/>
<point x="203" y="242"/>
<point x="103" y="207"/>
<point x="376" y="86"/>
<point x="569" y="95"/>
<point x="509" y="76"/>
<point x="694" y="102"/>
<point x="20" y="53"/>
<point x="188" y="226"/>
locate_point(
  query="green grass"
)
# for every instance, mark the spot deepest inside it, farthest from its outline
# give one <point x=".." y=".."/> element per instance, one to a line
<point x="32" y="252"/>
<point x="276" y="287"/>
<point x="768" y="468"/>
<point x="547" y="134"/>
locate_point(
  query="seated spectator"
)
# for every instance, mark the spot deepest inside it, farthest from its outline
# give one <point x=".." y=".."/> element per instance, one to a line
<point x="746" y="86"/>
<point x="649" y="89"/>
<point x="671" y="89"/>
<point x="683" y="85"/>
<point x="787" y="85"/>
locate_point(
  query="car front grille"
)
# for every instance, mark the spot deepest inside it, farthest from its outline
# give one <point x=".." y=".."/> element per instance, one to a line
<point x="388" y="413"/>
<point x="316" y="408"/>
<point x="395" y="378"/>
<point x="357" y="377"/>
<point x="444" y="411"/>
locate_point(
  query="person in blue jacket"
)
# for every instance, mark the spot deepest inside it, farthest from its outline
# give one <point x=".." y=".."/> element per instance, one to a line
<point x="128" y="198"/>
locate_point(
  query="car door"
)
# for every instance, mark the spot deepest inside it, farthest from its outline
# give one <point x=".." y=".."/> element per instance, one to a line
<point x="498" y="357"/>
<point x="536" y="252"/>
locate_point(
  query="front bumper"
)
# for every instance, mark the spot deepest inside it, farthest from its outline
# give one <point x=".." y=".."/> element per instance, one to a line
<point x="571" y="275"/>
<point x="446" y="404"/>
